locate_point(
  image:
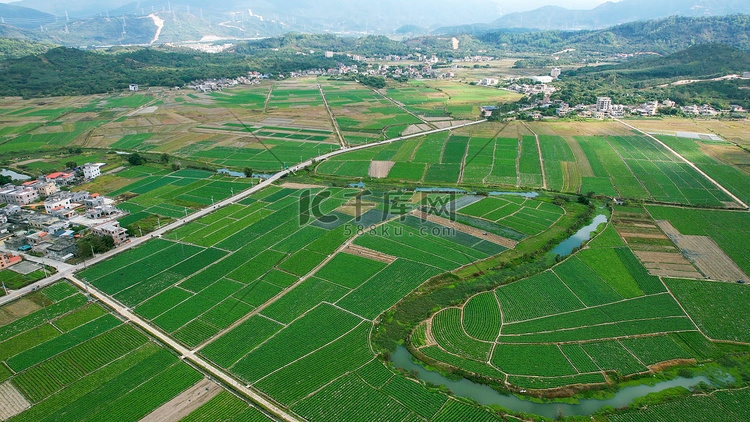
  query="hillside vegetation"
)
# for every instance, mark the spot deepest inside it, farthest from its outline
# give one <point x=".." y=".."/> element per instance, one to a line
<point x="639" y="79"/>
<point x="69" y="71"/>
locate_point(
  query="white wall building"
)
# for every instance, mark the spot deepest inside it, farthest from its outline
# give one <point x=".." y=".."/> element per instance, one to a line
<point x="57" y="203"/>
<point x="543" y="79"/>
<point x="92" y="170"/>
<point x="18" y="195"/>
<point x="603" y="104"/>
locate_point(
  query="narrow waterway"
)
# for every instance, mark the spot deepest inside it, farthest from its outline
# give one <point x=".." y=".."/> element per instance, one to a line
<point x="485" y="395"/>
<point x="567" y="246"/>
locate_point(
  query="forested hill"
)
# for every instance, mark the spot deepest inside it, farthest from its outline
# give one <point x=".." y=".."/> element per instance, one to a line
<point x="69" y="71"/>
<point x="661" y="36"/>
<point x="641" y="79"/>
<point x="373" y="45"/>
<point x="702" y="61"/>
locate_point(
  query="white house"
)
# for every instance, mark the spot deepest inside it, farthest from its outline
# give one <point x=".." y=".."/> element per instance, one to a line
<point x="603" y="104"/>
<point x="92" y="170"/>
<point x="18" y="195"/>
<point x="543" y="79"/>
<point x="133" y="87"/>
<point x="57" y="203"/>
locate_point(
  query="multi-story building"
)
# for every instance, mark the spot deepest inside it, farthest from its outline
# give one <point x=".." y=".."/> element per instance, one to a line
<point x="111" y="228"/>
<point x="92" y="170"/>
<point x="61" y="178"/>
<point x="603" y="104"/>
<point x="18" y="195"/>
<point x="58" y="202"/>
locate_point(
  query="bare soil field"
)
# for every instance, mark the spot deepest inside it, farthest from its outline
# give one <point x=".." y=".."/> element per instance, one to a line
<point x="17" y="309"/>
<point x="184" y="404"/>
<point x="290" y="185"/>
<point x="580" y="128"/>
<point x="368" y="253"/>
<point x="380" y="169"/>
<point x="12" y="401"/>
<point x="706" y="255"/>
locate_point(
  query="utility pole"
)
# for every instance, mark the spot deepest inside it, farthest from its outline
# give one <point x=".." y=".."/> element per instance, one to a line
<point x="88" y="293"/>
<point x="158" y="222"/>
<point x="66" y="16"/>
<point x="45" y="310"/>
<point x="44" y="268"/>
<point x="185" y="212"/>
<point x="5" y="289"/>
<point x="139" y="229"/>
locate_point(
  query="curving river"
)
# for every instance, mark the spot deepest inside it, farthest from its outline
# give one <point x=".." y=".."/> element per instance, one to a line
<point x="485" y="395"/>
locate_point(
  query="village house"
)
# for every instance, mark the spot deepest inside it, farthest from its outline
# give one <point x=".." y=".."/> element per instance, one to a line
<point x="92" y="170"/>
<point x="111" y="228"/>
<point x="18" y="195"/>
<point x="62" y="248"/>
<point x="61" y="178"/>
<point x="7" y="259"/>
<point x="58" y="202"/>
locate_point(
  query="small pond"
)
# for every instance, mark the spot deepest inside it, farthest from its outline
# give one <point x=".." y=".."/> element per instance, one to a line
<point x="14" y="175"/>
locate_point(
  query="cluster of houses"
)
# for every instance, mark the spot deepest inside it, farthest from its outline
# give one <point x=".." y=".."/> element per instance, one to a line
<point x="31" y="191"/>
<point x="48" y="233"/>
<point x="532" y="89"/>
<point x="605" y="108"/>
<point x="210" y="85"/>
<point x="708" y="111"/>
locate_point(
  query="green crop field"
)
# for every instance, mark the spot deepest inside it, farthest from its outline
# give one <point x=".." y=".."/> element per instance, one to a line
<point x="303" y="294"/>
<point x="74" y="360"/>
<point x="595" y="312"/>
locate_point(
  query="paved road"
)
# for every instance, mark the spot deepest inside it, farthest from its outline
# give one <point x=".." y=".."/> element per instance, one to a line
<point x="187" y="354"/>
<point x="702" y="173"/>
<point x="67" y="271"/>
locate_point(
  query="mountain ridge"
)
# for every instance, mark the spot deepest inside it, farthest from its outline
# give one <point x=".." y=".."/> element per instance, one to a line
<point x="603" y="16"/>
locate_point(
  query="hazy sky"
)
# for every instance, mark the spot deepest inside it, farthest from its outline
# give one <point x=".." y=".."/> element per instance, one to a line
<point x="506" y="6"/>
